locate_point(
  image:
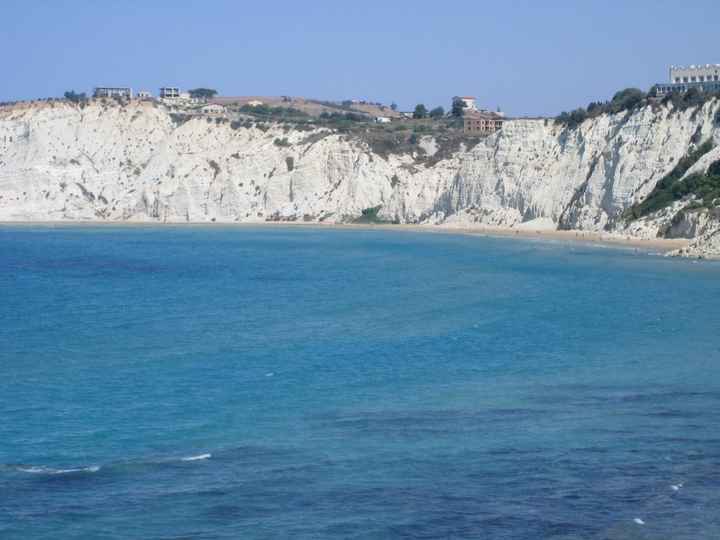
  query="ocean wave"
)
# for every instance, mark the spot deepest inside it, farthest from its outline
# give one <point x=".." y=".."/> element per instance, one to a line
<point x="114" y="466"/>
<point x="51" y="470"/>
<point x="196" y="458"/>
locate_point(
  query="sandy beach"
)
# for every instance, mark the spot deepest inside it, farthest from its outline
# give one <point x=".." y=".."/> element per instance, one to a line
<point x="660" y="245"/>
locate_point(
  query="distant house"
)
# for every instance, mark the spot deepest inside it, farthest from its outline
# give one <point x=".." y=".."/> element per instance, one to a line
<point x="144" y="94"/>
<point x="112" y="92"/>
<point x="469" y="102"/>
<point x="382" y="120"/>
<point x="255" y="103"/>
<point x="482" y="122"/>
<point x="213" y="109"/>
<point x="169" y="92"/>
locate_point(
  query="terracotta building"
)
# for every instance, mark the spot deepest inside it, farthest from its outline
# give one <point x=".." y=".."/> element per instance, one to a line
<point x="482" y="122"/>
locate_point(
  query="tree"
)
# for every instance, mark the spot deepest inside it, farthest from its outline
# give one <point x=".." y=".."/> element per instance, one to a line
<point x="393" y="106"/>
<point x="203" y="93"/>
<point x="693" y="97"/>
<point x="437" y="112"/>
<point x="75" y="97"/>
<point x="458" y="107"/>
<point x="420" y="111"/>
<point x="627" y="99"/>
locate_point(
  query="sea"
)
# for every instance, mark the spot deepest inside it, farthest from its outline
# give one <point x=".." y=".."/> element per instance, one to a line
<point x="269" y="382"/>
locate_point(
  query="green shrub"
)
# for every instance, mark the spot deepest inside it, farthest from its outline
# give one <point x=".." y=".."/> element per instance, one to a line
<point x="572" y="119"/>
<point x="74" y="97"/>
<point x="624" y="100"/>
<point x="282" y="143"/>
<point x="279" y="113"/>
<point x="179" y="119"/>
<point x="714" y="168"/>
<point x="343" y="118"/>
<point x="627" y="99"/>
<point x="670" y="188"/>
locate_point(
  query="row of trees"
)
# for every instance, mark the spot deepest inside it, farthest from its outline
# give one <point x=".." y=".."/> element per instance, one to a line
<point x="421" y="111"/>
<point x="202" y="93"/>
<point x="630" y="99"/>
<point x="624" y="100"/>
<point x="457" y="111"/>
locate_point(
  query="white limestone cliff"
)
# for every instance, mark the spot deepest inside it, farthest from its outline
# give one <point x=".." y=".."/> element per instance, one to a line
<point x="60" y="161"/>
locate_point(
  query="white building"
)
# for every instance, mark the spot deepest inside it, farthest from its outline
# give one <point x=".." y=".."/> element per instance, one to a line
<point x="469" y="102"/>
<point x="169" y="92"/>
<point x="693" y="73"/>
<point x="144" y="94"/>
<point x="113" y="92"/>
<point x="382" y="120"/>
<point x="701" y="78"/>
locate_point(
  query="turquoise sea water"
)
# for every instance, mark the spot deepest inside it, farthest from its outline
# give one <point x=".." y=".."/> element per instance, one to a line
<point x="198" y="383"/>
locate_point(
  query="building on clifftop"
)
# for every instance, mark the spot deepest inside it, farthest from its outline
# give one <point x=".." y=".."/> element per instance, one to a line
<point x="169" y="92"/>
<point x="704" y="78"/>
<point x="112" y="92"/>
<point x="468" y="102"/>
<point x="482" y="122"/>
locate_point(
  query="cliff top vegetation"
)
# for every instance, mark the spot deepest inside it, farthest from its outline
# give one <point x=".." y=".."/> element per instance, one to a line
<point x="631" y="99"/>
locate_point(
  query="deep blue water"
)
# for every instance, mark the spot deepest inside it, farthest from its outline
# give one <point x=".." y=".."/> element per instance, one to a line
<point x="197" y="383"/>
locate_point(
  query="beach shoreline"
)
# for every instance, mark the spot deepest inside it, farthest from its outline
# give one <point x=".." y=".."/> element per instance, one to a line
<point x="661" y="245"/>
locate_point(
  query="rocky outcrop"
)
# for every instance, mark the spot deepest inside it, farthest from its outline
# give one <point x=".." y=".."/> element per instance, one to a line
<point x="139" y="162"/>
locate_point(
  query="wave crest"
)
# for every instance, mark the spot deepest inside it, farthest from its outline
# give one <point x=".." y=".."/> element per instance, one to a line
<point x="50" y="470"/>
<point x="196" y="458"/>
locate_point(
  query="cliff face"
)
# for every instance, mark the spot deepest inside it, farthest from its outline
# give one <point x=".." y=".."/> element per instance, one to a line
<point x="107" y="162"/>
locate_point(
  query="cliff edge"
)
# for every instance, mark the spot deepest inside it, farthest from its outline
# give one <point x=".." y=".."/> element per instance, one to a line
<point x="140" y="162"/>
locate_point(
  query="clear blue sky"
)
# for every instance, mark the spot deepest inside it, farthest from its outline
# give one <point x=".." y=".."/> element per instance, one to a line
<point x="529" y="57"/>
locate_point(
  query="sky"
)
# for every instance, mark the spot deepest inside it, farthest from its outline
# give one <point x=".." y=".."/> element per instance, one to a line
<point x="528" y="57"/>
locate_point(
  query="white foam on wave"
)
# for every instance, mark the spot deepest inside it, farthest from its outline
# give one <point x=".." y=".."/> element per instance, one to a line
<point x="639" y="521"/>
<point x="676" y="487"/>
<point x="50" y="470"/>
<point x="196" y="458"/>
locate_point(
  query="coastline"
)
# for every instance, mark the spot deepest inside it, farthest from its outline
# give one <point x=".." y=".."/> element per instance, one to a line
<point x="660" y="245"/>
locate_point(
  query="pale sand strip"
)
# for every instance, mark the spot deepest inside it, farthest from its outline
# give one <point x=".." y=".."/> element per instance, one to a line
<point x="660" y="245"/>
